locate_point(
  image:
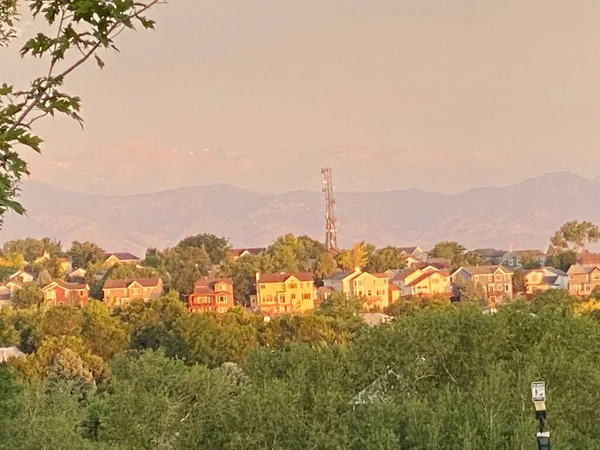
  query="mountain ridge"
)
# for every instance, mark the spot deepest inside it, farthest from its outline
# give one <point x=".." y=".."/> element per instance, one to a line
<point x="524" y="214"/>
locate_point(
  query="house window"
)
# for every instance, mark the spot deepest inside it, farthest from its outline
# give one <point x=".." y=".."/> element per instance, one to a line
<point x="596" y="276"/>
<point x="499" y="287"/>
<point x="293" y="286"/>
<point x="221" y="310"/>
<point x="490" y="279"/>
<point x="196" y="300"/>
<point x="491" y="288"/>
<point x="359" y="282"/>
<point x="306" y="296"/>
<point x="499" y="278"/>
<point x="435" y="280"/>
<point x="511" y="262"/>
<point x="222" y="299"/>
<point x="135" y="292"/>
<point x="269" y="298"/>
<point x="81" y="293"/>
<point x="51" y="295"/>
<point x="223" y="287"/>
<point x="281" y="299"/>
<point x="587" y="287"/>
<point x="262" y="286"/>
<point x="507" y="287"/>
<point x="476" y="278"/>
<point x="293" y="296"/>
<point x="368" y="293"/>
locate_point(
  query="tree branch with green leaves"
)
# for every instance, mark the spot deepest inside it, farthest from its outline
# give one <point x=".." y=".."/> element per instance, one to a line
<point x="79" y="30"/>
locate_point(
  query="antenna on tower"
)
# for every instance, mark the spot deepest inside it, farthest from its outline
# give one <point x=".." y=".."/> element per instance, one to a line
<point x="330" y="222"/>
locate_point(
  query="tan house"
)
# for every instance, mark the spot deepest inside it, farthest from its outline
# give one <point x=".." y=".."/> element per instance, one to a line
<point x="112" y="259"/>
<point x="212" y="295"/>
<point x="545" y="279"/>
<point x="122" y="292"/>
<point x="424" y="282"/>
<point x="284" y="292"/>
<point x="583" y="279"/>
<point x="496" y="281"/>
<point x="373" y="288"/>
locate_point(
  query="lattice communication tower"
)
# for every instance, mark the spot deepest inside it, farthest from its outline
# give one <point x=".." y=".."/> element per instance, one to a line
<point x="330" y="222"/>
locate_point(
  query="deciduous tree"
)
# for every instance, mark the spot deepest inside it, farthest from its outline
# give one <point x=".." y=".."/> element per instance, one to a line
<point x="71" y="33"/>
<point x="575" y="235"/>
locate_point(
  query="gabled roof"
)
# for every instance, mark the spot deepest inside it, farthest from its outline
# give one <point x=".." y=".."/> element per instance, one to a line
<point x="66" y="286"/>
<point x="426" y="275"/>
<point x="123" y="284"/>
<point x="206" y="286"/>
<point x="400" y="276"/>
<point x="124" y="256"/>
<point x="236" y="252"/>
<point x="484" y="270"/>
<point x="340" y="275"/>
<point x="408" y="250"/>
<point x="283" y="277"/>
<point x="490" y="252"/>
<point x="582" y="268"/>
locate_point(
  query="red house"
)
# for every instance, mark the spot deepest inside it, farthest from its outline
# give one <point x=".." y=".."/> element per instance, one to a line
<point x="61" y="293"/>
<point x="211" y="295"/>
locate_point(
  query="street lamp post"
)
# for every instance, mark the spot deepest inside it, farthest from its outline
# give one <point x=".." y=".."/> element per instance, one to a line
<point x="538" y="396"/>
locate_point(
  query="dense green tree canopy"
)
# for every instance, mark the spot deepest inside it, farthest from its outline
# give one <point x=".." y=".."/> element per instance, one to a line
<point x="444" y="376"/>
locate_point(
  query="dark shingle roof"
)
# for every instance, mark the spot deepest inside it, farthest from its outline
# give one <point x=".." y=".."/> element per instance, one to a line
<point x="124" y="256"/>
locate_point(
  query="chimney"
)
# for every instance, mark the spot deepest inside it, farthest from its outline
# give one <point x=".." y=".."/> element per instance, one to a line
<point x="257" y="276"/>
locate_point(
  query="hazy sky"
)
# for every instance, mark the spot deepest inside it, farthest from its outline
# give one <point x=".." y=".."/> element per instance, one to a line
<point x="435" y="94"/>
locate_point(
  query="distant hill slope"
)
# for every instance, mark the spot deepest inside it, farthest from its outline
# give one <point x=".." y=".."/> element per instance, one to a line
<point x="525" y="215"/>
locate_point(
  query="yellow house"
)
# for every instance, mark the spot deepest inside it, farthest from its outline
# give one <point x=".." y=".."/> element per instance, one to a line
<point x="373" y="288"/>
<point x="284" y="292"/>
<point x="424" y="282"/>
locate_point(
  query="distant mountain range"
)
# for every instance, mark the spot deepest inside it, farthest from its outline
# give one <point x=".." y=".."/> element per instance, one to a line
<point x="524" y="215"/>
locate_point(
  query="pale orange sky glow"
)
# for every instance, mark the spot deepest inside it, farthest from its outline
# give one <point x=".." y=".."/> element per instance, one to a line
<point x="393" y="94"/>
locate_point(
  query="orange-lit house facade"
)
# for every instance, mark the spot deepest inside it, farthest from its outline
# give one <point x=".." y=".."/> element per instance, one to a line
<point x="73" y="294"/>
<point x="212" y="295"/>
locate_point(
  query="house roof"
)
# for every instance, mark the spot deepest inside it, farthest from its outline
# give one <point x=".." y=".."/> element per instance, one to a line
<point x="438" y="263"/>
<point x="282" y="277"/>
<point x="394" y="287"/>
<point x="408" y="250"/>
<point x="403" y="274"/>
<point x="426" y="275"/>
<point x="122" y="256"/>
<point x="340" y="275"/>
<point x="205" y="286"/>
<point x="484" y="270"/>
<point x="582" y="268"/>
<point x="236" y="252"/>
<point x="534" y="253"/>
<point x="490" y="252"/>
<point x="379" y="275"/>
<point x="66" y="286"/>
<point x="122" y="284"/>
